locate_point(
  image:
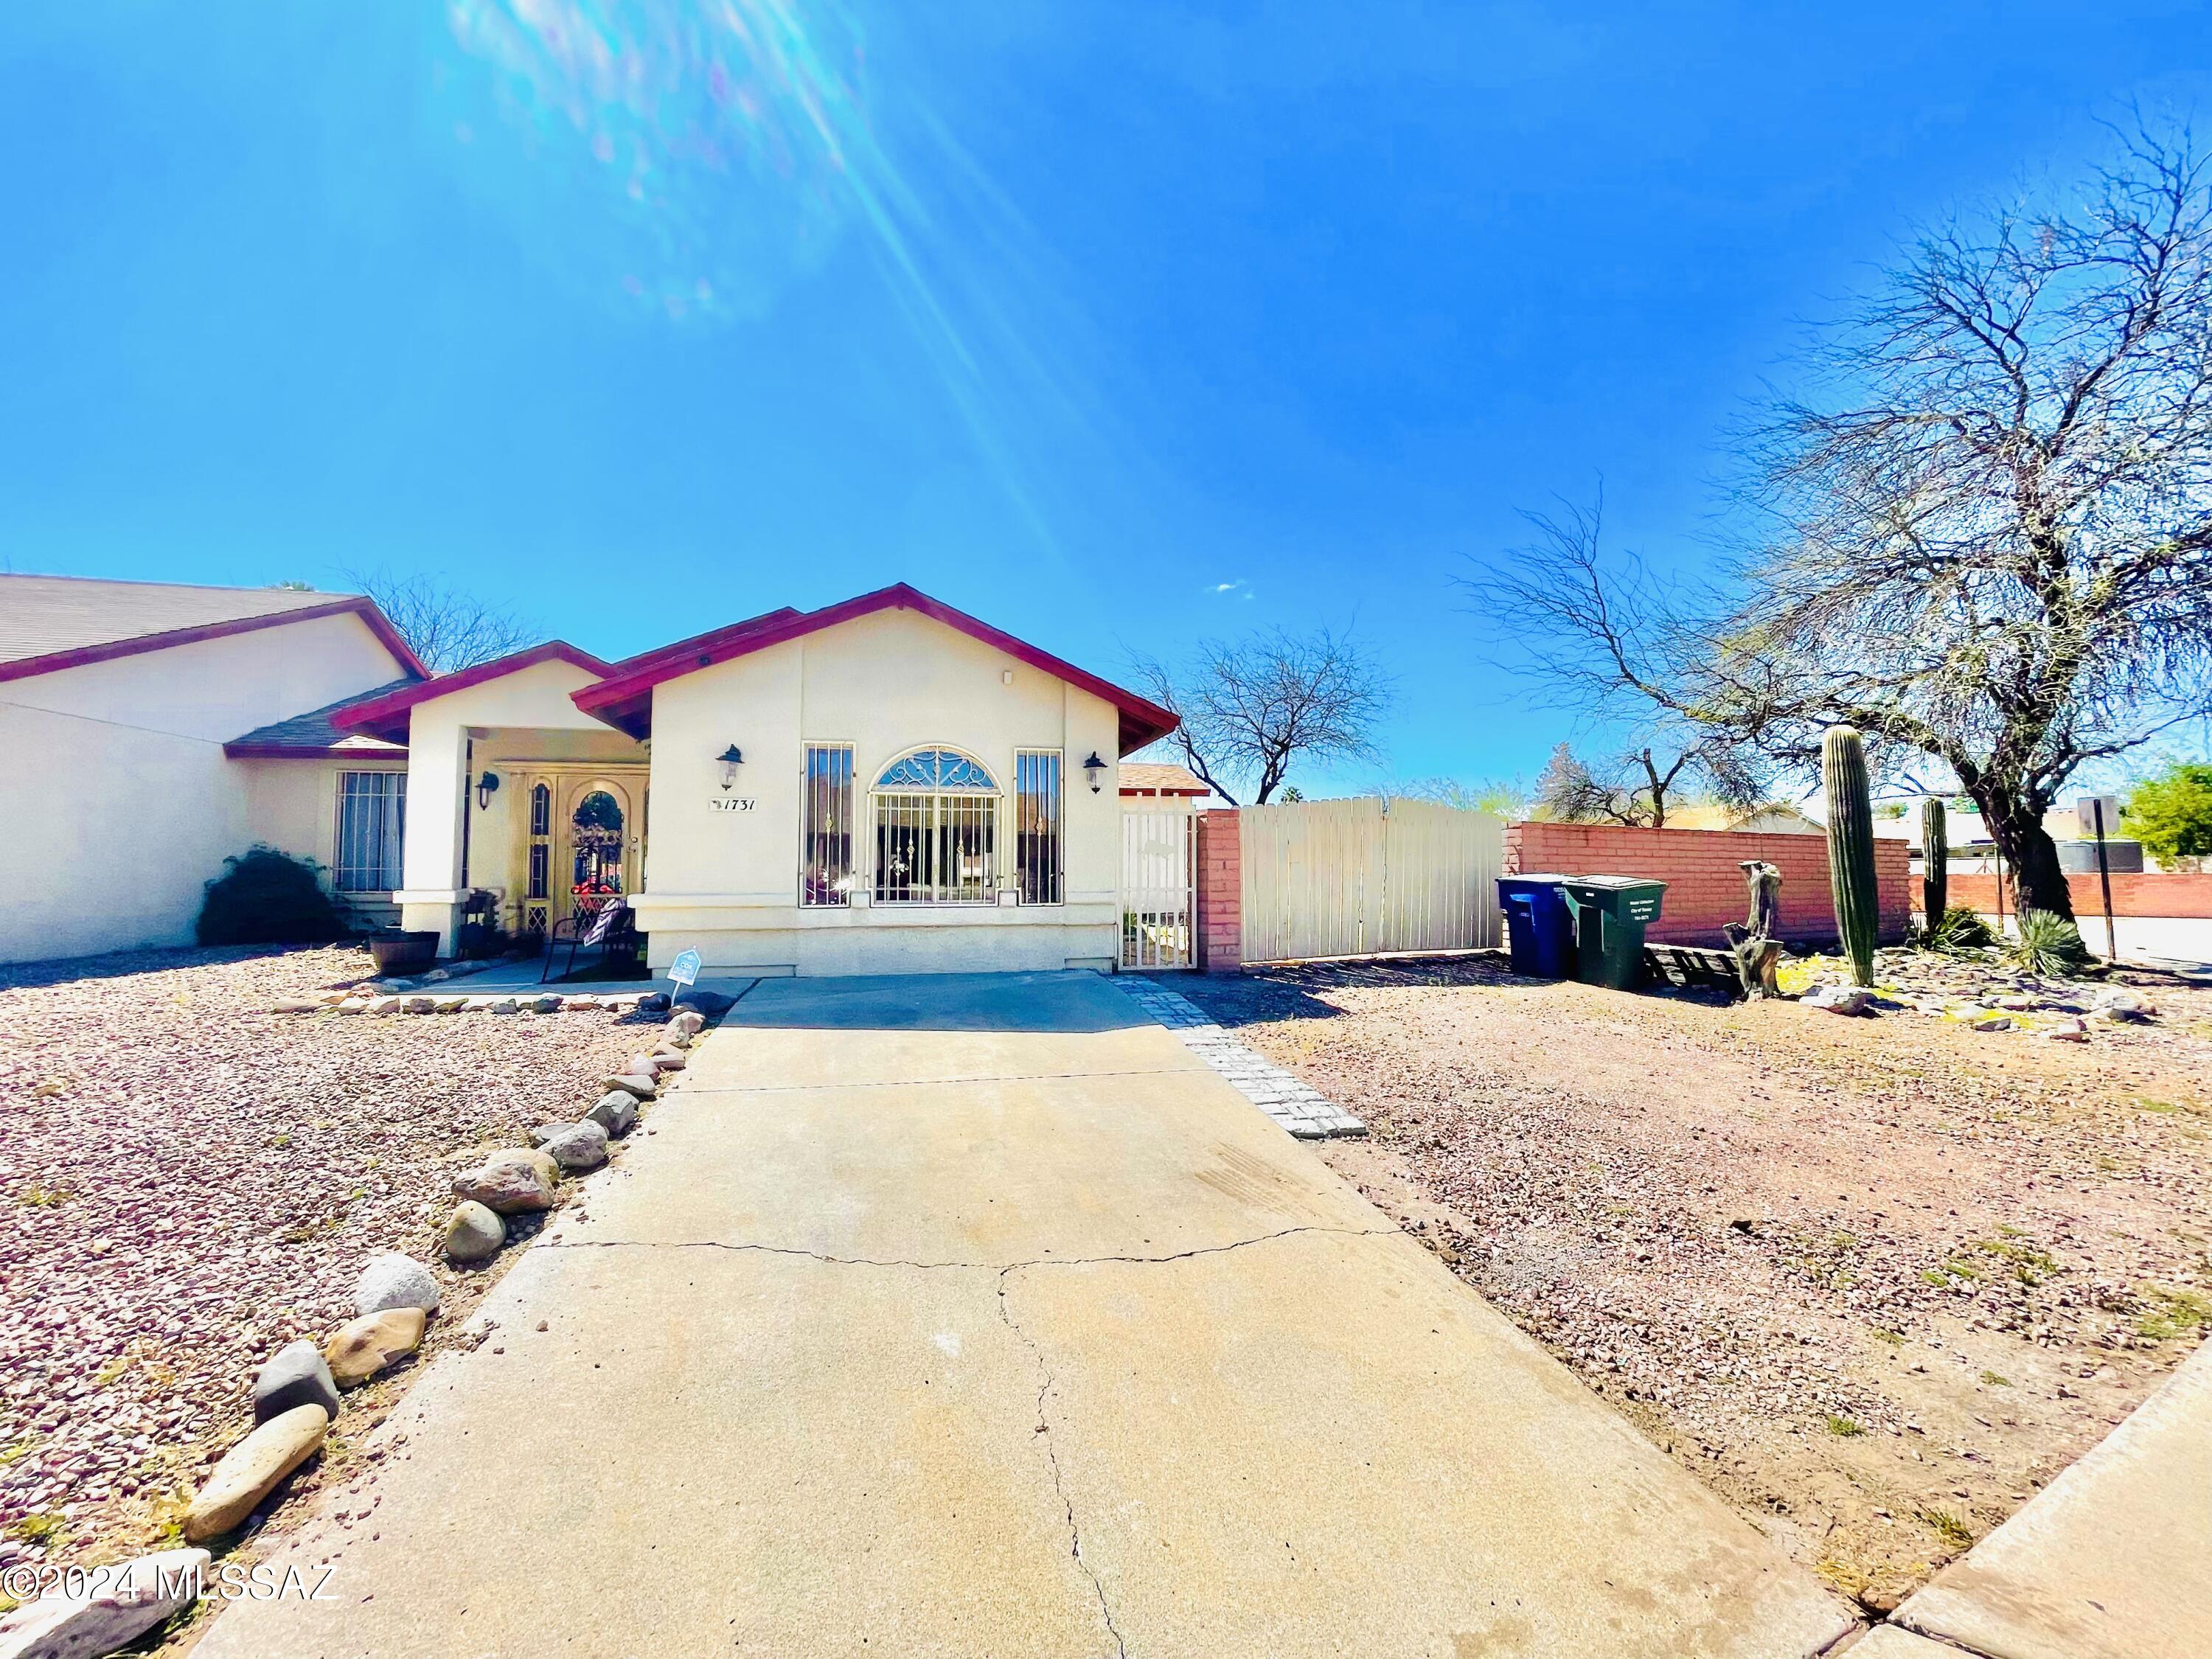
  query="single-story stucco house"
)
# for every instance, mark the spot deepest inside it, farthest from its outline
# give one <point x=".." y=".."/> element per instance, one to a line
<point x="882" y="784"/>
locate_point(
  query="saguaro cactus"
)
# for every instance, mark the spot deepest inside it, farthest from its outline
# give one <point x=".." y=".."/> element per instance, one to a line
<point x="1935" y="862"/>
<point x="1850" y="847"/>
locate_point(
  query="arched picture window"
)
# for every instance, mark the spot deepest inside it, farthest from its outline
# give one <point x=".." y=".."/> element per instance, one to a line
<point x="936" y="830"/>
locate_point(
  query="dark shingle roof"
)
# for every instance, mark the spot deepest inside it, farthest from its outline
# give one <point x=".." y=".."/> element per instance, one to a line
<point x="312" y="734"/>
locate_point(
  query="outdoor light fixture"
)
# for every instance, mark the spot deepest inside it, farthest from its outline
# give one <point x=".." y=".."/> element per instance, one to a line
<point x="1095" y="769"/>
<point x="486" y="787"/>
<point x="731" y="760"/>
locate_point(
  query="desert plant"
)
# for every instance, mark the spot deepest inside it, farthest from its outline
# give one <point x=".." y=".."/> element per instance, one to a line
<point x="267" y="897"/>
<point x="2048" y="944"/>
<point x="1935" y="862"/>
<point x="1850" y="847"/>
<point x="1956" y="930"/>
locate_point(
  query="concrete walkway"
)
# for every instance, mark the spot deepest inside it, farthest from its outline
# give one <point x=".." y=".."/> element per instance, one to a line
<point x="2112" y="1560"/>
<point x="975" y="1317"/>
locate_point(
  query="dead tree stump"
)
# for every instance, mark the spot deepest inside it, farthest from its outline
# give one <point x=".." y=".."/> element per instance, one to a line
<point x="1753" y="942"/>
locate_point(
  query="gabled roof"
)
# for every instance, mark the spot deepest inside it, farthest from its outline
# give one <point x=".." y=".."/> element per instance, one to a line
<point x="1157" y="778"/>
<point x="48" y="623"/>
<point x="384" y="714"/>
<point x="315" y="736"/>
<point x="624" y="699"/>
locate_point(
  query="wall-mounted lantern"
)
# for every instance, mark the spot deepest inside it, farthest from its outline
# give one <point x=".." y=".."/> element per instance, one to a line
<point x="487" y="786"/>
<point x="1095" y="769"/>
<point x="730" y="760"/>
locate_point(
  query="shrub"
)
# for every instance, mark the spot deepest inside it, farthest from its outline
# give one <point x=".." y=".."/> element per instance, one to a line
<point x="2048" y="944"/>
<point x="1957" y="929"/>
<point x="2172" y="814"/>
<point x="264" y="897"/>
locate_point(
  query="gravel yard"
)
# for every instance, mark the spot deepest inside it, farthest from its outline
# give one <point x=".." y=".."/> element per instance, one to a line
<point x="1874" y="1279"/>
<point x="188" y="1182"/>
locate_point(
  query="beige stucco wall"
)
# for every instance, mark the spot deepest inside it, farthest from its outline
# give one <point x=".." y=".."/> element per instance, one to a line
<point x="127" y="805"/>
<point x="456" y="739"/>
<point x="725" y="882"/>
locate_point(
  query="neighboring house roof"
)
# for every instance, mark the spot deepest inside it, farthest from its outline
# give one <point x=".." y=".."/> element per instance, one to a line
<point x="315" y="736"/>
<point x="1769" y="819"/>
<point x="1151" y="778"/>
<point x="384" y="714"/>
<point x="48" y="623"/>
<point x="624" y="699"/>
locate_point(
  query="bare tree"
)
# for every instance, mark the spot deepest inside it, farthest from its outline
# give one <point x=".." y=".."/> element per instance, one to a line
<point x="1619" y="649"/>
<point x="1992" y="523"/>
<point x="447" y="629"/>
<point x="1249" y="709"/>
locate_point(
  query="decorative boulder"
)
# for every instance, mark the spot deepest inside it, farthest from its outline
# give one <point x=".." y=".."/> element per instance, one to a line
<point x="2118" y="1002"/>
<point x="473" y="1233"/>
<point x="547" y="1004"/>
<point x="295" y="1376"/>
<point x="670" y="1060"/>
<point x="642" y="1086"/>
<point x="393" y="1280"/>
<point x="131" y="1601"/>
<point x="508" y="1185"/>
<point x="250" y="1470"/>
<point x="1840" y="999"/>
<point x="689" y="1021"/>
<point x="369" y="1344"/>
<point x="579" y="1146"/>
<point x="616" y="1111"/>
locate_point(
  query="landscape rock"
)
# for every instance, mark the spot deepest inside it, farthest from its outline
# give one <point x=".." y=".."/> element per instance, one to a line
<point x="420" y="1005"/>
<point x="297" y="1005"/>
<point x="652" y="1002"/>
<point x="547" y="1004"/>
<point x="1992" y="1022"/>
<point x="641" y="1066"/>
<point x="504" y="1004"/>
<point x="128" y="1604"/>
<point x="689" y="1021"/>
<point x="387" y="1005"/>
<point x="670" y="1060"/>
<point x="2120" y="1002"/>
<point x="1840" y="999"/>
<point x="616" y="1111"/>
<point x="449" y="1004"/>
<point x="579" y="1146"/>
<point x="252" y="1468"/>
<point x="473" y="1234"/>
<point x="642" y="1086"/>
<point x="295" y="1376"/>
<point x="2067" y="1030"/>
<point x="372" y="1343"/>
<point x="393" y="1280"/>
<point x="509" y="1184"/>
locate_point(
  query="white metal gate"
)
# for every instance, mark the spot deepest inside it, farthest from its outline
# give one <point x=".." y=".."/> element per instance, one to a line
<point x="1355" y="878"/>
<point x="1159" y="857"/>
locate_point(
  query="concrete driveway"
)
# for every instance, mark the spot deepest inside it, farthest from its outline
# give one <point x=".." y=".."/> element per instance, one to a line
<point x="974" y="1315"/>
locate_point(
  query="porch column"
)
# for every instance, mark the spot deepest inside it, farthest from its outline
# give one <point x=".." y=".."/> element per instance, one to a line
<point x="437" y="798"/>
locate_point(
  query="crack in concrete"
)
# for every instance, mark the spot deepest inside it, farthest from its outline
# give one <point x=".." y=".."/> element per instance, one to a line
<point x="1052" y="1462"/>
<point x="1000" y="1267"/>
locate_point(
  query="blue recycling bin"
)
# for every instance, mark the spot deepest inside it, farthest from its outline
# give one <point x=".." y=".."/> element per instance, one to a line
<point x="1539" y="932"/>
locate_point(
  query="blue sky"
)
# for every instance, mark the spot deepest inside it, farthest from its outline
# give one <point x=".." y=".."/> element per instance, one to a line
<point x="1118" y="324"/>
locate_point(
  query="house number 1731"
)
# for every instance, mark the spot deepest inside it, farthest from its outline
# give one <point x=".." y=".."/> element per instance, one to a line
<point x="734" y="804"/>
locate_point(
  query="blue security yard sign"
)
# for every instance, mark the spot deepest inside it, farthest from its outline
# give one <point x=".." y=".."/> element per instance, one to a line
<point x="684" y="971"/>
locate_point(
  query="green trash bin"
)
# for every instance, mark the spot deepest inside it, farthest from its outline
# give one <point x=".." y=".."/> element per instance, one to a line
<point x="1611" y="913"/>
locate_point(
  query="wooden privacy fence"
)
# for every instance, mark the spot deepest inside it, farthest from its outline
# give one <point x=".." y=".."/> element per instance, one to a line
<point x="1359" y="878"/>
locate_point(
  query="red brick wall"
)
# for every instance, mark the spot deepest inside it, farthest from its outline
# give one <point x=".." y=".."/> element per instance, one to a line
<point x="1705" y="889"/>
<point x="2134" y="893"/>
<point x="1220" y="892"/>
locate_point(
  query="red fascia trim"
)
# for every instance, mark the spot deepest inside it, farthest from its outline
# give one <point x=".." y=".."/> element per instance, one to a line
<point x="386" y="716"/>
<point x="622" y="700"/>
<point x="293" y="751"/>
<point x="357" y="604"/>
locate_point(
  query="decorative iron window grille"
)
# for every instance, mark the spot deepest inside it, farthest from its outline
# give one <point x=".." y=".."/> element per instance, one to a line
<point x="937" y="831"/>
<point x="541" y="811"/>
<point x="372" y="824"/>
<point x="1037" y="825"/>
<point x="826" y="846"/>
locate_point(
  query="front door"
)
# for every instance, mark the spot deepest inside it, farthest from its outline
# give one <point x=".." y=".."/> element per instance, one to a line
<point x="583" y="841"/>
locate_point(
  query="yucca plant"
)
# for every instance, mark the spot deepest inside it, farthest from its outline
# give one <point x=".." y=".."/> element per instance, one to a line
<point x="2049" y="946"/>
<point x="1957" y="930"/>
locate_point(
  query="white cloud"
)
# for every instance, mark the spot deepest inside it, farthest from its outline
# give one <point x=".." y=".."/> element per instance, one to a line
<point x="1241" y="588"/>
